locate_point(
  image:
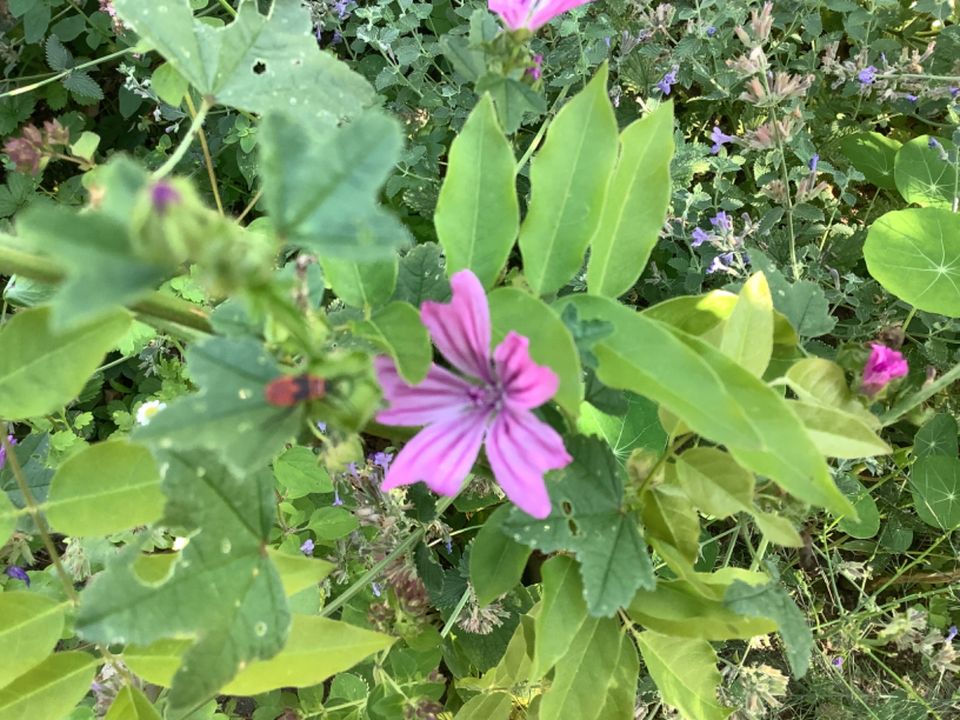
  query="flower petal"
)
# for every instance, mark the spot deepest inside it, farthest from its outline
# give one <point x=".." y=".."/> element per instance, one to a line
<point x="512" y="12"/>
<point x="441" y="455"/>
<point x="521" y="449"/>
<point x="526" y="384"/>
<point x="461" y="328"/>
<point x="545" y="10"/>
<point x="441" y="396"/>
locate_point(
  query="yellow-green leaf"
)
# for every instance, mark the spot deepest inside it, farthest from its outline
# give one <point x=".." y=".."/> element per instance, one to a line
<point x="49" y="690"/>
<point x="30" y="626"/>
<point x="748" y="333"/>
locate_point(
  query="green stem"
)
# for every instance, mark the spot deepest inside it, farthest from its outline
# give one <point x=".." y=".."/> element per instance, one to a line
<point x="921" y="395"/>
<point x="228" y="7"/>
<point x="61" y="75"/>
<point x="451" y="621"/>
<point x="185" y="143"/>
<point x="535" y="143"/>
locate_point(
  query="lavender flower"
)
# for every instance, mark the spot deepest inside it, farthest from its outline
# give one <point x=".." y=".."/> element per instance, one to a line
<point x="18" y="573"/>
<point x="307" y="547"/>
<point x="932" y="143"/>
<point x="719" y="139"/>
<point x="951" y="634"/>
<point x="721" y="263"/>
<point x="814" y="161"/>
<point x="867" y="76"/>
<point x="700" y="236"/>
<point x="382" y="460"/>
<point x="3" y="450"/>
<point x="911" y="98"/>
<point x="377" y="589"/>
<point x="337" y="502"/>
<point x="340" y="7"/>
<point x="352" y="469"/>
<point x="668" y="80"/>
<point x="721" y="220"/>
<point x="837" y="662"/>
<point x="322" y="427"/>
<point x="711" y="31"/>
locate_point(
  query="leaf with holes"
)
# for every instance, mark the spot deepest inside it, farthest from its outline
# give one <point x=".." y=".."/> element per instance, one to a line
<point x="588" y="519"/>
<point x="223" y="590"/>
<point x="925" y="176"/>
<point x="256" y="63"/>
<point x="914" y="255"/>
<point x="935" y="485"/>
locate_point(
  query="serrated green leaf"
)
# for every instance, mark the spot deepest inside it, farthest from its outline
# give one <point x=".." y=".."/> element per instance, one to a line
<point x="478" y="215"/>
<point x="569" y="178"/>
<point x="561" y="615"/>
<point x="874" y="155"/>
<point x="588" y="519"/>
<point x="397" y="329"/>
<point x="48" y="690"/>
<point x="82" y="85"/>
<point x="635" y="206"/>
<point x="550" y="341"/>
<point x="30" y="627"/>
<point x="58" y="57"/>
<point x="935" y="486"/>
<point x="912" y="255"/>
<point x="938" y="436"/>
<point x="362" y="284"/>
<point x="333" y="212"/>
<point x="685" y="671"/>
<point x="496" y="560"/>
<point x="42" y="370"/>
<point x="131" y="704"/>
<point x="228" y="520"/>
<point x="256" y="63"/>
<point x="230" y="414"/>
<point x="103" y="489"/>
<point x="422" y="276"/>
<point x="924" y="177"/>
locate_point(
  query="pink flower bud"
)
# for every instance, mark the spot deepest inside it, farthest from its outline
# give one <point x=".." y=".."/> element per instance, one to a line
<point x="883" y="366"/>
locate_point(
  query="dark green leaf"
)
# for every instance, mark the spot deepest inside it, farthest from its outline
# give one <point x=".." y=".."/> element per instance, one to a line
<point x="496" y="560"/>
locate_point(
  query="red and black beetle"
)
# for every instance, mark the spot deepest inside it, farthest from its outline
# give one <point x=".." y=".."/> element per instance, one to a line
<point x="293" y="389"/>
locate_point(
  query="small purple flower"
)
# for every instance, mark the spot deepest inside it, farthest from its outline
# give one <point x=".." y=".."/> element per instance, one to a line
<point x="867" y="76"/>
<point x="352" y="469"/>
<point x="911" y="98"/>
<point x="337" y="38"/>
<point x="668" y="80"/>
<point x="883" y="366"/>
<point x="536" y="70"/>
<point x="711" y="31"/>
<point x="3" y="450"/>
<point x="837" y="662"/>
<point x="307" y="547"/>
<point x="340" y="7"/>
<point x="719" y="139"/>
<point x="162" y="196"/>
<point x="814" y="161"/>
<point x="337" y="502"/>
<point x="721" y="263"/>
<point x="449" y="545"/>
<point x="700" y="236"/>
<point x="18" y="573"/>
<point x="322" y="427"/>
<point x="721" y="220"/>
<point x="951" y="634"/>
<point x="382" y="460"/>
<point x="377" y="590"/>
<point x="954" y="91"/>
<point x="932" y="143"/>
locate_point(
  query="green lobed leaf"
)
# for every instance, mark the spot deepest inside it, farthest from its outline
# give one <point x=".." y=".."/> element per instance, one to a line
<point x="362" y="284"/>
<point x="635" y="206"/>
<point x="335" y="212"/>
<point x="924" y="177"/>
<point x="588" y="519"/>
<point x="42" y="370"/>
<point x="935" y="486"/>
<point x="496" y="561"/>
<point x="551" y="343"/>
<point x="938" y="436"/>
<point x="912" y="255"/>
<point x="230" y="414"/>
<point x="562" y="613"/>
<point x="103" y="489"/>
<point x="397" y="329"/>
<point x="748" y="333"/>
<point x="638" y="428"/>
<point x="30" y="627"/>
<point x="131" y="704"/>
<point x="256" y="63"/>
<point x="569" y="178"/>
<point x="477" y="215"/>
<point x="685" y="672"/>
<point x="874" y="155"/>
<point x="48" y="690"/>
<point x="804" y="303"/>
<point x="228" y="520"/>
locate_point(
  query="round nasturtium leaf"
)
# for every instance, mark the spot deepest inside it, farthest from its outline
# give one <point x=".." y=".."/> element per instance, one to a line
<point x="924" y="176"/>
<point x="915" y="254"/>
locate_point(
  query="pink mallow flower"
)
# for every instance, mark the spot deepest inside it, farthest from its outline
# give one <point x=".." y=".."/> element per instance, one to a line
<point x="883" y="366"/>
<point x="490" y="407"/>
<point x="531" y="14"/>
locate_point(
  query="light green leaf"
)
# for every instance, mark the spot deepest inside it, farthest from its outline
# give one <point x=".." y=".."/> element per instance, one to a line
<point x="256" y="63"/>
<point x="551" y="343"/>
<point x="772" y="601"/>
<point x="636" y="204"/>
<point x="496" y="560"/>
<point x="228" y="521"/>
<point x="562" y="614"/>
<point x="938" y="436"/>
<point x="588" y="519"/>
<point x="569" y="178"/>
<point x="674" y="608"/>
<point x="669" y="515"/>
<point x="487" y="706"/>
<point x="230" y="414"/>
<point x="838" y="434"/>
<point x="685" y="671"/>
<point x="132" y="704"/>
<point x="924" y="177"/>
<point x="714" y="397"/>
<point x="777" y="529"/>
<point x="30" y="627"/>
<point x="867" y="523"/>
<point x="715" y="482"/>
<point x="299" y="473"/>
<point x="361" y="284"/>
<point x="42" y="370"/>
<point x="169" y="85"/>
<point x="105" y="488"/>
<point x="638" y="428"/>
<point x="935" y="485"/>
<point x="397" y="329"/>
<point x="86" y="145"/>
<point x="49" y="690"/>
<point x="477" y="215"/>
<point x="748" y="333"/>
<point x="911" y="253"/>
<point x="874" y="155"/>
<point x="333" y="212"/>
<point x="298" y="572"/>
<point x="817" y="381"/>
<point x="332" y="523"/>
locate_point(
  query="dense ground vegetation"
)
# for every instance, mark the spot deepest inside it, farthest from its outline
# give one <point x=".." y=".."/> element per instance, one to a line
<point x="696" y="263"/>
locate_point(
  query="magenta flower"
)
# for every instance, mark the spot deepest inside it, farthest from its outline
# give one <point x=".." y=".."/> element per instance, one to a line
<point x="531" y="14"/>
<point x="883" y="366"/>
<point x="490" y="407"/>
